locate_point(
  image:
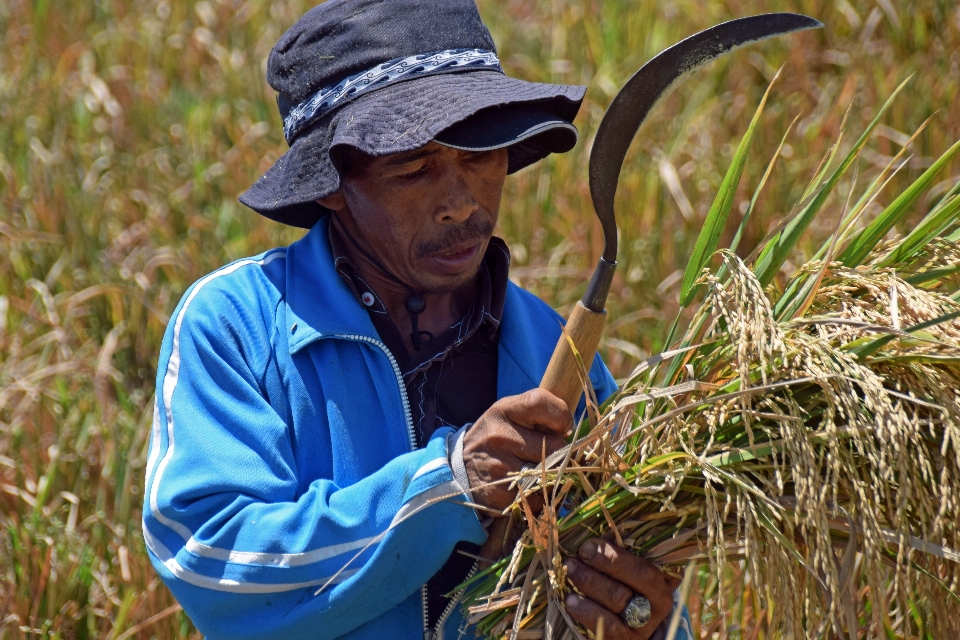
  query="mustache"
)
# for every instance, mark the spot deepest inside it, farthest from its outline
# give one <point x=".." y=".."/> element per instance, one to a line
<point x="472" y="229"/>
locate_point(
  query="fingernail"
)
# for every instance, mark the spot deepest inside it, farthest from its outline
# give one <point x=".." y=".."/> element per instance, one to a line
<point x="571" y="567"/>
<point x="588" y="549"/>
<point x="572" y="601"/>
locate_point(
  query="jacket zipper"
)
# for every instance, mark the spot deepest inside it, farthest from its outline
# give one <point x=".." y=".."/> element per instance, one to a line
<point x="411" y="434"/>
<point x="454" y="601"/>
<point x="426" y="613"/>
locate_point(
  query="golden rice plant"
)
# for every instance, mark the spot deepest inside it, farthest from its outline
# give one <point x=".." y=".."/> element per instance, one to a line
<point x="798" y="444"/>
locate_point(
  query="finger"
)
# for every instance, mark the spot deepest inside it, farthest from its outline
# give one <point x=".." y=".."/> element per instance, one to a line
<point x="603" y="590"/>
<point x="535" y="501"/>
<point x="497" y="533"/>
<point x="494" y="496"/>
<point x="486" y="474"/>
<point x="589" y="614"/>
<point x="529" y="445"/>
<point x="673" y="582"/>
<point x="637" y="573"/>
<point x="540" y="410"/>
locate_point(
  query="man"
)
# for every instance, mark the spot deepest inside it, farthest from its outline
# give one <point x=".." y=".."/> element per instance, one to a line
<point x="318" y="405"/>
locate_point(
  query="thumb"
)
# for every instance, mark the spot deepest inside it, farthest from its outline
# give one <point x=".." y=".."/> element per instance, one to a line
<point x="673" y="582"/>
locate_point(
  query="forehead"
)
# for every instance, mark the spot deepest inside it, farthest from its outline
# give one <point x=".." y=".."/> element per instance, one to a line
<point x="431" y="149"/>
<point x="355" y="161"/>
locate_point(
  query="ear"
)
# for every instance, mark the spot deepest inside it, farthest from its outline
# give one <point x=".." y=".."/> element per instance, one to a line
<point x="335" y="201"/>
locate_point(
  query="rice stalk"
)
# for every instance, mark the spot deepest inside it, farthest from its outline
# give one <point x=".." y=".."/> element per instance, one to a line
<point x="798" y="446"/>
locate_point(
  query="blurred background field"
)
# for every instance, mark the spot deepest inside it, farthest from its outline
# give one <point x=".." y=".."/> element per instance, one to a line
<point x="129" y="127"/>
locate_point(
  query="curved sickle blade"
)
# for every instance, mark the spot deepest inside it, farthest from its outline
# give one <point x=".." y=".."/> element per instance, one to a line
<point x="654" y="82"/>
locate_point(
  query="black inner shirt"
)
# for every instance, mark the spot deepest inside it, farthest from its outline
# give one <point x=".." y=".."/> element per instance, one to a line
<point x="451" y="381"/>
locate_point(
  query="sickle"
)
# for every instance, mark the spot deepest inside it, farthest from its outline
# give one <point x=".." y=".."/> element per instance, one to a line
<point x="647" y="88"/>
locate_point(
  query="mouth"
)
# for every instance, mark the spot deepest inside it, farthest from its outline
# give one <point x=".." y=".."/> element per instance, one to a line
<point x="454" y="260"/>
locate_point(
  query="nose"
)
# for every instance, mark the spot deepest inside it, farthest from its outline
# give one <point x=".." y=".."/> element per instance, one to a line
<point x="458" y="203"/>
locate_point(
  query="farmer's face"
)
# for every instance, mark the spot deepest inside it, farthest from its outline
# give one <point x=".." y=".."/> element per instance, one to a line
<point x="426" y="214"/>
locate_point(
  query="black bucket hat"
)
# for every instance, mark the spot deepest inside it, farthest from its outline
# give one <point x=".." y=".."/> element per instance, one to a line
<point x="390" y="76"/>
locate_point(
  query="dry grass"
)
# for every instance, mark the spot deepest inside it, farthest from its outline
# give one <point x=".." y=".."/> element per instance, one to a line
<point x="128" y="128"/>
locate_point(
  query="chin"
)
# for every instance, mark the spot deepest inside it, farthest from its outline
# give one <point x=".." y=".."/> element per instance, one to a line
<point x="447" y="276"/>
<point x="445" y="283"/>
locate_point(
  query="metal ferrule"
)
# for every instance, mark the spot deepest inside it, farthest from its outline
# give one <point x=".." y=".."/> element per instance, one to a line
<point x="595" y="297"/>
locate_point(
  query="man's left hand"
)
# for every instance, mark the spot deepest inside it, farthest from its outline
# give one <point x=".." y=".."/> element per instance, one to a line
<point x="609" y="578"/>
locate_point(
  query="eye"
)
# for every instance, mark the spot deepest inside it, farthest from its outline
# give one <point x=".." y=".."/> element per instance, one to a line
<point x="479" y="156"/>
<point x="411" y="170"/>
<point x="415" y="173"/>
<point x="483" y="159"/>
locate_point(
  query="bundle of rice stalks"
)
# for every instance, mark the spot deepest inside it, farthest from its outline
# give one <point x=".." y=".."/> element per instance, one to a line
<point x="806" y="435"/>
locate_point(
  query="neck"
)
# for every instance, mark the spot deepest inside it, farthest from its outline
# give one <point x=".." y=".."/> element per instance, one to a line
<point x="443" y="309"/>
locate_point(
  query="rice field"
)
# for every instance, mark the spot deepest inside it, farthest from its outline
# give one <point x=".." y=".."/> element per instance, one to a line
<point x="127" y="129"/>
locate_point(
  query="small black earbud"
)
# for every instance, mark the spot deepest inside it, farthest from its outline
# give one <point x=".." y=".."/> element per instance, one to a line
<point x="416" y="304"/>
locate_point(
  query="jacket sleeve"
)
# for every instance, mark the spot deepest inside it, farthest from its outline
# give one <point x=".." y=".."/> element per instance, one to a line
<point x="602" y="381"/>
<point x="247" y="551"/>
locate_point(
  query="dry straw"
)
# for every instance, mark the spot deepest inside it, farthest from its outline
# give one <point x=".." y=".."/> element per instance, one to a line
<point x="798" y="443"/>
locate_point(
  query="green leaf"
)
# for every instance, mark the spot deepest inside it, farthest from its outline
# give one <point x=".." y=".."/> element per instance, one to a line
<point x="737" y="456"/>
<point x="717" y="217"/>
<point x="953" y="192"/>
<point x="926" y="572"/>
<point x="756" y="194"/>
<point x="931" y="358"/>
<point x="871" y="347"/>
<point x="765" y="521"/>
<point x="775" y="253"/>
<point x="873" y="191"/>
<point x="792" y="304"/>
<point x="928" y="229"/>
<point x="864" y="242"/>
<point x="933" y="274"/>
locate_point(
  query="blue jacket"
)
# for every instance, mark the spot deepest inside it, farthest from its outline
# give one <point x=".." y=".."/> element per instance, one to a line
<point x="282" y="459"/>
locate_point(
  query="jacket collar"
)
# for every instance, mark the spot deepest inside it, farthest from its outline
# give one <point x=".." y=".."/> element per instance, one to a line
<point x="319" y="303"/>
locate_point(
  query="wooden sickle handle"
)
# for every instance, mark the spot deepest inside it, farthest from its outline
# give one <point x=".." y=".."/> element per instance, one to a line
<point x="562" y="378"/>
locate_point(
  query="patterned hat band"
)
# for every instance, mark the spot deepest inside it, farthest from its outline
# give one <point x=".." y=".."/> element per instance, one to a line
<point x="313" y="108"/>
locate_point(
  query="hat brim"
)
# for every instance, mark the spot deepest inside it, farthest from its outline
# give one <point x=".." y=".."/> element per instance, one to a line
<point x="406" y="116"/>
<point x="529" y="131"/>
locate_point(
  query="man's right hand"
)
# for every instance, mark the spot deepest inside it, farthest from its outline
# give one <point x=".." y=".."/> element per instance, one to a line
<point x="510" y="434"/>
